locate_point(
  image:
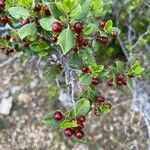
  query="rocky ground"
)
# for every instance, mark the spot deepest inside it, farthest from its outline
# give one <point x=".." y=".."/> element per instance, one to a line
<point x="22" y="90"/>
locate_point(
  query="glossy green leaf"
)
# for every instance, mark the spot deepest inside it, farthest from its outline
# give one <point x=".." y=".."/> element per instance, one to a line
<point x="18" y="12"/>
<point x="104" y="108"/>
<point x="68" y="124"/>
<point x="26" y="30"/>
<point x="96" y="68"/>
<point x="63" y="7"/>
<point x="108" y="25"/>
<point x="97" y="7"/>
<point x="129" y="83"/>
<point x="47" y="22"/>
<point x="25" y="2"/>
<point x="86" y="79"/>
<point x="88" y="29"/>
<point x="75" y="11"/>
<point x="82" y="107"/>
<point x="66" y="40"/>
<point x="119" y="66"/>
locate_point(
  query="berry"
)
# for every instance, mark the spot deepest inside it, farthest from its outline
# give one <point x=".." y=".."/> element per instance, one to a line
<point x="26" y="44"/>
<point x="79" y="134"/>
<point x="110" y="83"/>
<point x="80" y="125"/>
<point x="114" y="34"/>
<point x="104" y="40"/>
<point x="130" y="75"/>
<point x="11" y="50"/>
<point x="2" y="3"/>
<point x="46" y="10"/>
<point x="8" y="37"/>
<point x="120" y="76"/>
<point x="53" y="39"/>
<point x="97" y="37"/>
<point x="58" y="115"/>
<point x="75" y="49"/>
<point x="101" y="99"/>
<point x="68" y="132"/>
<point x="57" y="27"/>
<point x="77" y="28"/>
<point x="95" y="81"/>
<point x="85" y="69"/>
<point x="85" y="42"/>
<point x="81" y="119"/>
<point x="101" y="24"/>
<point x="121" y="82"/>
<point x="79" y="40"/>
<point x="4" y="19"/>
<point x="25" y="21"/>
<point x="37" y="7"/>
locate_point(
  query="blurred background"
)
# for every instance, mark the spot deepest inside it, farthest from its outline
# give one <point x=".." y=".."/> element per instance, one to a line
<point x="27" y="93"/>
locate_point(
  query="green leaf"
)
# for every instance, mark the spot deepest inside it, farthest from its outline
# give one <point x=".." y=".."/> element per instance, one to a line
<point x="108" y="25"/>
<point x="137" y="70"/>
<point x="75" y="11"/>
<point x="97" y="7"/>
<point x="18" y="12"/>
<point x="68" y="124"/>
<point x="86" y="79"/>
<point x="55" y="11"/>
<point x="129" y="83"/>
<point x="26" y="30"/>
<point x="84" y="139"/>
<point x="47" y="22"/>
<point x="104" y="108"/>
<point x="25" y="2"/>
<point x="85" y="8"/>
<point x="82" y="107"/>
<point x="49" y="120"/>
<point x="88" y="29"/>
<point x="63" y="7"/>
<point x="66" y="40"/>
<point x="112" y="70"/>
<point x="114" y="29"/>
<point x="119" y="66"/>
<point x="96" y="68"/>
<point x="69" y="3"/>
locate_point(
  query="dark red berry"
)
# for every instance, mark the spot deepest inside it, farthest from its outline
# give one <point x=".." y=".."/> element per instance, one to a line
<point x="58" y="115"/>
<point x="97" y="37"/>
<point x="2" y="3"/>
<point x="102" y="24"/>
<point x="37" y="7"/>
<point x="114" y="34"/>
<point x="26" y="44"/>
<point x="110" y="83"/>
<point x="79" y="40"/>
<point x="25" y="21"/>
<point x="77" y="28"/>
<point x="85" y="42"/>
<point x="104" y="40"/>
<point x="57" y="27"/>
<point x="8" y="37"/>
<point x="68" y="132"/>
<point x="81" y="119"/>
<point x="101" y="99"/>
<point x="46" y="10"/>
<point x="80" y="125"/>
<point x="75" y="49"/>
<point x="120" y="76"/>
<point x="120" y="82"/>
<point x="85" y="69"/>
<point x="95" y="81"/>
<point x="4" y="19"/>
<point x="11" y="50"/>
<point x="79" y="134"/>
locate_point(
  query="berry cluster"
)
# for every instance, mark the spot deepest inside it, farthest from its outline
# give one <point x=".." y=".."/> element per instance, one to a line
<point x="69" y="132"/>
<point x="7" y="51"/>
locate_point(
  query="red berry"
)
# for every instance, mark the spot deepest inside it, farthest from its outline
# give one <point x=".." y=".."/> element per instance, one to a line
<point x="11" y="50"/>
<point x="120" y="76"/>
<point x="80" y="125"/>
<point x="77" y="28"/>
<point x="68" y="132"/>
<point x="102" y="24"/>
<point x="85" y="42"/>
<point x="97" y="37"/>
<point x="85" y="69"/>
<point x="101" y="99"/>
<point x="120" y="82"/>
<point x="25" y="21"/>
<point x="114" y="34"/>
<point x="79" y="134"/>
<point x="110" y="83"/>
<point x="79" y="40"/>
<point x="81" y="119"/>
<point x="46" y="10"/>
<point x="75" y="49"/>
<point x="37" y="7"/>
<point x="57" y="27"/>
<point x="8" y="37"/>
<point x="2" y="3"/>
<point x="104" y="40"/>
<point x="95" y="81"/>
<point x="58" y="115"/>
<point x="4" y="19"/>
